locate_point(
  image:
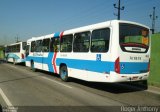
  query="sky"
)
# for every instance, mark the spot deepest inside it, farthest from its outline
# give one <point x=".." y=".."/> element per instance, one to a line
<point x="32" y="18"/>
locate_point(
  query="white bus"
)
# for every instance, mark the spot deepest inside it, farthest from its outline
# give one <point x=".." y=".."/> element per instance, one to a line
<point x="111" y="51"/>
<point x="15" y="53"/>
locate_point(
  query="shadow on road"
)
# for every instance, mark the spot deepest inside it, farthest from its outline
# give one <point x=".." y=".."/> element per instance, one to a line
<point x="115" y="88"/>
<point x="2" y="61"/>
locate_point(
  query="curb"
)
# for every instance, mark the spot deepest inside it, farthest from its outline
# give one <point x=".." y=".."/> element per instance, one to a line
<point x="153" y="89"/>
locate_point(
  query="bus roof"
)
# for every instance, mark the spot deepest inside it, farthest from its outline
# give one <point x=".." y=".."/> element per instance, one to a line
<point x="88" y="27"/>
<point x="14" y="43"/>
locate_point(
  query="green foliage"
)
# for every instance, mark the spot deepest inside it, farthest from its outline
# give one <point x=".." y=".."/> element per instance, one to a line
<point x="1" y="54"/>
<point x="154" y="78"/>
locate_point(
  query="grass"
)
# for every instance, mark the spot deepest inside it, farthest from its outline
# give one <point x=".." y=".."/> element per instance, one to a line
<point x="1" y="53"/>
<point x="154" y="78"/>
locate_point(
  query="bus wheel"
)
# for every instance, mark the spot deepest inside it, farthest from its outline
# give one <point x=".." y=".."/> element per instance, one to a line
<point x="14" y="61"/>
<point x="32" y="67"/>
<point x="64" y="73"/>
<point x="145" y="84"/>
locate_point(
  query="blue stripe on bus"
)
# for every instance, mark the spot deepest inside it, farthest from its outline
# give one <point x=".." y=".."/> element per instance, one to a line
<point x="133" y="67"/>
<point x="88" y="65"/>
<point x="11" y="55"/>
<point x="57" y="34"/>
<point x="46" y="60"/>
<point x="49" y="61"/>
<point x="104" y="66"/>
<point x="92" y="65"/>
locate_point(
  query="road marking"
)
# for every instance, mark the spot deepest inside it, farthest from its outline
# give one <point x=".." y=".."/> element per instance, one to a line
<point x="10" y="107"/>
<point x="47" y="78"/>
<point x="57" y="82"/>
<point x="5" y="98"/>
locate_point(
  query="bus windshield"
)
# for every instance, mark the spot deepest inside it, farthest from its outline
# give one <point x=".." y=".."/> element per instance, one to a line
<point x="133" y="38"/>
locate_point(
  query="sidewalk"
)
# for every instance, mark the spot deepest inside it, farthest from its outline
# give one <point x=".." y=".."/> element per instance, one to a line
<point x="153" y="89"/>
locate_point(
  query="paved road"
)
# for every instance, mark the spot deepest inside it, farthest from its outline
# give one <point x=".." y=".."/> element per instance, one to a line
<point x="19" y="86"/>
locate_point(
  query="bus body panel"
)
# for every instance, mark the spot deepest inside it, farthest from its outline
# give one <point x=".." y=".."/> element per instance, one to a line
<point x="94" y="66"/>
<point x="96" y="62"/>
<point x="134" y="65"/>
<point x="17" y="57"/>
<point x="14" y="56"/>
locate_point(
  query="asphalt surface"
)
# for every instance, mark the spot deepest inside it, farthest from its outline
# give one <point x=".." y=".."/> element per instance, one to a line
<point x="22" y="88"/>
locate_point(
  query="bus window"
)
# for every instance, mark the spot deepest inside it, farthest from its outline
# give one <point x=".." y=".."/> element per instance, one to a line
<point x="27" y="50"/>
<point x="38" y="46"/>
<point x="13" y="47"/>
<point x="6" y="49"/>
<point x="45" y="45"/>
<point x="54" y="45"/>
<point x="24" y="44"/>
<point x="100" y="40"/>
<point x="66" y="43"/>
<point x="33" y="45"/>
<point x="10" y="49"/>
<point x="17" y="48"/>
<point x="133" y="38"/>
<point x="81" y="42"/>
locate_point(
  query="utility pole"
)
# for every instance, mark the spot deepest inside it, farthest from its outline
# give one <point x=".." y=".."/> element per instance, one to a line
<point x="119" y="9"/>
<point x="17" y="38"/>
<point x="153" y="17"/>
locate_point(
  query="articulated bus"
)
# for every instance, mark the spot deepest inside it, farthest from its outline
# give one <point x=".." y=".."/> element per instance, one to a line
<point x="15" y="52"/>
<point x="111" y="51"/>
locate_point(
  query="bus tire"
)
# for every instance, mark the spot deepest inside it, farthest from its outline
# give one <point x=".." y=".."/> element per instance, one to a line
<point x="64" y="73"/>
<point x="32" y="67"/>
<point x="145" y="84"/>
<point x="14" y="61"/>
<point x="6" y="59"/>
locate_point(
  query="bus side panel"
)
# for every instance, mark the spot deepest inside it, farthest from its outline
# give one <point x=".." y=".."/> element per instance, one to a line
<point x="48" y="62"/>
<point x="95" y="68"/>
<point x="14" y="56"/>
<point x="36" y="58"/>
<point x="44" y="62"/>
